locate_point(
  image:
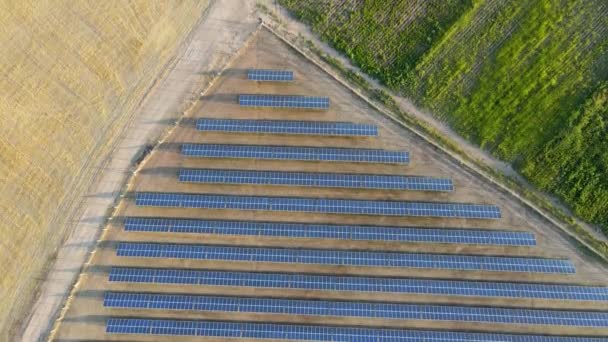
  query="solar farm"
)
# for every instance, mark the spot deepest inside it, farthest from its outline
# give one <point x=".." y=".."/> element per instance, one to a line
<point x="284" y="208"/>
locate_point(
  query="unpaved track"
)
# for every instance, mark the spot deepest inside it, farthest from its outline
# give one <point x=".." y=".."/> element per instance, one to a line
<point x="218" y="36"/>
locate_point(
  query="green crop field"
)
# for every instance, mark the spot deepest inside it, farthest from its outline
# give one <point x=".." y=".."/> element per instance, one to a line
<point x="526" y="80"/>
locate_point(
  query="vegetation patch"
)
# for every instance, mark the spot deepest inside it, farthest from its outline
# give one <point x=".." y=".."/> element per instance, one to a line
<point x="525" y="80"/>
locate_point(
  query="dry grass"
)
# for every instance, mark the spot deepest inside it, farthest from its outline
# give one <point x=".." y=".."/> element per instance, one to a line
<point x="71" y="75"/>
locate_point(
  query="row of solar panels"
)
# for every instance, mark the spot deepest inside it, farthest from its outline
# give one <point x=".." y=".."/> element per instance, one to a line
<point x="304" y="153"/>
<point x="317" y="205"/>
<point x="308" y="282"/>
<point x="294" y="127"/>
<point x="284" y="101"/>
<point x="379" y="310"/>
<point x="315" y="179"/>
<point x="269" y="75"/>
<point x="345" y="258"/>
<point x="331" y="231"/>
<point x="224" y="329"/>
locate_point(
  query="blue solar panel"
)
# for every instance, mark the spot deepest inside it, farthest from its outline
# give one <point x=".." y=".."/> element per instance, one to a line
<point x="270" y="75"/>
<point x="314" y="179"/>
<point x="327" y="231"/>
<point x="287" y="127"/>
<point x="363" y="284"/>
<point x="355" y="309"/>
<point x="341" y="257"/>
<point x="284" y="101"/>
<point x="317" y="205"/>
<point x="226" y="329"/>
<point x="352" y="155"/>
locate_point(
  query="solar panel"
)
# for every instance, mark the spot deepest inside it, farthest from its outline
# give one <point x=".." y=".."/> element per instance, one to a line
<point x="354" y="155"/>
<point x="328" y="231"/>
<point x="245" y="330"/>
<point x="284" y="101"/>
<point x="134" y="300"/>
<point x="358" y="283"/>
<point x="270" y="75"/>
<point x="343" y="257"/>
<point x="317" y="205"/>
<point x="314" y="179"/>
<point x="287" y="127"/>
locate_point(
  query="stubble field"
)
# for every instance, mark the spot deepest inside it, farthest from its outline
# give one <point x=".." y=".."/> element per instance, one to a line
<point x="71" y="75"/>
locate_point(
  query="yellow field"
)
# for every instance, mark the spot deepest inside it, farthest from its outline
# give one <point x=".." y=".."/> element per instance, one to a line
<point x="71" y="75"/>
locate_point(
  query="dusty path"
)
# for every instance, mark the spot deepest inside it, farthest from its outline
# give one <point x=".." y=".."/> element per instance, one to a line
<point x="221" y="32"/>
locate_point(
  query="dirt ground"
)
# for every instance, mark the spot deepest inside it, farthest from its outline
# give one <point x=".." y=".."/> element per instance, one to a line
<point x="85" y="317"/>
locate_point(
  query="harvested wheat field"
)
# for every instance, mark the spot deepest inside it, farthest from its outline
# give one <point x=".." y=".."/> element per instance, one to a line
<point x="229" y="252"/>
<point x="72" y="75"/>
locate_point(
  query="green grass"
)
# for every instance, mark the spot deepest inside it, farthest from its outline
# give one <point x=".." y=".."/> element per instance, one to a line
<point x="574" y="164"/>
<point x="386" y="100"/>
<point x="382" y="37"/>
<point x="526" y="80"/>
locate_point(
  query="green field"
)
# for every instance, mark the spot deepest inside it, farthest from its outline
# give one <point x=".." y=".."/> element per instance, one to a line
<point x="526" y="80"/>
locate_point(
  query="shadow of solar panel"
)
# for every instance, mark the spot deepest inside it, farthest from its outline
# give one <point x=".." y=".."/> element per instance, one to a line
<point x="314" y="179"/>
<point x="358" y="284"/>
<point x="287" y="127"/>
<point x="355" y="309"/>
<point x="284" y="101"/>
<point x="317" y="205"/>
<point x="327" y="231"/>
<point x="343" y="257"/>
<point x="270" y="75"/>
<point x="352" y="155"/>
<point x="245" y="330"/>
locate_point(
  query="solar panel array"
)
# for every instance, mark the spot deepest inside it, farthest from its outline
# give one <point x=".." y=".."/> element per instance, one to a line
<point x="358" y="283"/>
<point x="287" y="127"/>
<point x="284" y="101"/>
<point x="355" y="309"/>
<point x="328" y="231"/>
<point x="353" y="155"/>
<point x="269" y="75"/>
<point x="341" y="257"/>
<point x="313" y="179"/>
<point x="294" y="332"/>
<point x="317" y="205"/>
<point x="292" y="263"/>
